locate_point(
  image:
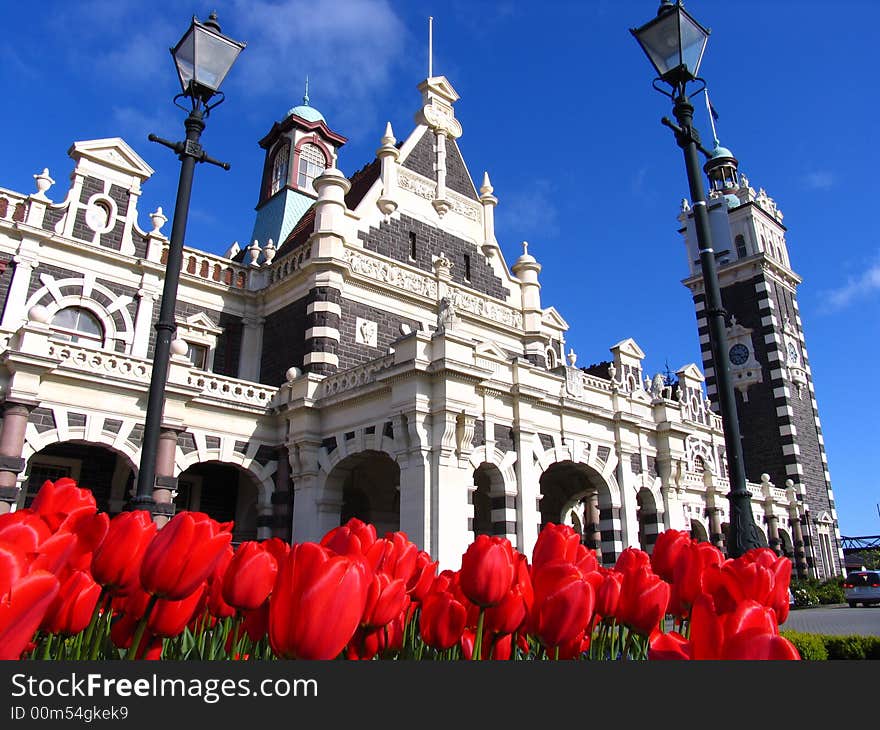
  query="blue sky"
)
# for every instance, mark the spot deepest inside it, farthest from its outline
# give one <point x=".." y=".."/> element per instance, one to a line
<point x="556" y="103"/>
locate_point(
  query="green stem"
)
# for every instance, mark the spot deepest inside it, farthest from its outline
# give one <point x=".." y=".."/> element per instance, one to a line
<point x="478" y="640"/>
<point x="139" y="632"/>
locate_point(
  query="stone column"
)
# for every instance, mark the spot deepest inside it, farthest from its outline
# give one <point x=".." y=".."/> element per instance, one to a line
<point x="15" y="416"/>
<point x="528" y="476"/>
<point x="251" y="347"/>
<point x="166" y="482"/>
<point x="716" y="536"/>
<point x="797" y="535"/>
<point x="14" y="314"/>
<point x="282" y="502"/>
<point x="592" y="529"/>
<point x="770" y="518"/>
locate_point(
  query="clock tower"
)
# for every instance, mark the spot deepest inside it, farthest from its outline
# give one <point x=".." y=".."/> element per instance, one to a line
<point x="767" y="353"/>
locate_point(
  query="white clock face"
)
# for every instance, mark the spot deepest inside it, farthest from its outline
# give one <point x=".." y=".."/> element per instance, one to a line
<point x="792" y="353"/>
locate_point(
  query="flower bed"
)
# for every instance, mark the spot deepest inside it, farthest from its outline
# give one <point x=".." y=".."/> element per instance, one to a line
<point x="75" y="584"/>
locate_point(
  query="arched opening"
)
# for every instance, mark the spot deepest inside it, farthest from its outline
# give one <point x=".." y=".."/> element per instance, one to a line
<point x="368" y="486"/>
<point x="698" y="531"/>
<point x="79" y="325"/>
<point x="488" y="496"/>
<point x="649" y="519"/>
<point x="577" y="495"/>
<point x="786" y="544"/>
<point x="108" y="474"/>
<point x="223" y="491"/>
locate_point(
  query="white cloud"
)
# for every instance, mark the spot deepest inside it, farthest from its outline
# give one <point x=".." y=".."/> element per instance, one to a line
<point x="347" y="48"/>
<point x="855" y="288"/>
<point x="523" y="213"/>
<point x="135" y="124"/>
<point x="820" y="180"/>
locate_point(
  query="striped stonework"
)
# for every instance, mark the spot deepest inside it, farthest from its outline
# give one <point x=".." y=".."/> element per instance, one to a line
<point x="323" y="311"/>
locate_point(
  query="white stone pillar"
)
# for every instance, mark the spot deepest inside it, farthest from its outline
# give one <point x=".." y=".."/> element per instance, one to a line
<point x="251" y="348"/>
<point x="143" y="321"/>
<point x="26" y="260"/>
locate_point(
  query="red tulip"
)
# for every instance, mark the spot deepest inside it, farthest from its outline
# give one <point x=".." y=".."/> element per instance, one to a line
<point x="22" y="609"/>
<point x="563" y="603"/>
<point x="72" y="608"/>
<point x="317" y="603"/>
<point x="691" y="568"/>
<point x="53" y="553"/>
<point x="643" y="600"/>
<point x="12" y="566"/>
<point x="442" y="620"/>
<point x="393" y="555"/>
<point x="214" y="601"/>
<point x="169" y="618"/>
<point x="513" y="610"/>
<point x="182" y="554"/>
<point x="55" y="501"/>
<point x="608" y="593"/>
<point x="423" y="576"/>
<point x="760" y="646"/>
<point x="631" y="560"/>
<point x="249" y="577"/>
<point x="256" y="622"/>
<point x="555" y="542"/>
<point x="386" y="599"/>
<point x="24" y="529"/>
<point x="667" y="549"/>
<point x="668" y="646"/>
<point x="487" y="570"/>
<point x="116" y="562"/>
<point x="354" y="537"/>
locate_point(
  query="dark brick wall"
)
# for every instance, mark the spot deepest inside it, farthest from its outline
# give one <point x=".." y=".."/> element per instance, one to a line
<point x="283" y="342"/>
<point x="504" y="438"/>
<point x="228" y="346"/>
<point x="51" y="218"/>
<point x="351" y="352"/>
<point x="5" y="281"/>
<point x="423" y="157"/>
<point x="457" y="177"/>
<point x="479" y="437"/>
<point x="392" y="239"/>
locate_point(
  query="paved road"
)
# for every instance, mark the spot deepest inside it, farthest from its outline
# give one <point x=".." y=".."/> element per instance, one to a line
<point x="838" y="620"/>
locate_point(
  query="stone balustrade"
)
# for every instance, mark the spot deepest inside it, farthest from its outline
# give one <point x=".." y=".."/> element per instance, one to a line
<point x="354" y="377"/>
<point x="211" y="268"/>
<point x="231" y="390"/>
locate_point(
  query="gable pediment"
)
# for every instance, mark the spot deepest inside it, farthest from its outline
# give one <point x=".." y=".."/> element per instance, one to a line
<point x="692" y="372"/>
<point x="629" y="347"/>
<point x="201" y="321"/>
<point x="552" y="318"/>
<point x="491" y="350"/>
<point x="114" y="153"/>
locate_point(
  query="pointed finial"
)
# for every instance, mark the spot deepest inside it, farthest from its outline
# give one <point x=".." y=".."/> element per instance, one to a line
<point x="211" y="22"/>
<point x="525" y="248"/>
<point x="430" y="46"/>
<point x="486" y="188"/>
<point x="306" y="95"/>
<point x="388" y="137"/>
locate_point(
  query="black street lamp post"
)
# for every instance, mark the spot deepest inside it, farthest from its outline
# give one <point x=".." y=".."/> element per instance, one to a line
<point x="674" y="43"/>
<point x="203" y="57"/>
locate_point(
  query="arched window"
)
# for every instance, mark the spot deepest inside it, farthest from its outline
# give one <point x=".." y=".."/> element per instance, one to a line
<point x="311" y="164"/>
<point x="740" y="242"/>
<point x="75" y="324"/>
<point x="279" y="169"/>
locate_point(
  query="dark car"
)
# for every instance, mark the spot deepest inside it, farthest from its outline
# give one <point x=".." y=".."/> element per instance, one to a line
<point x="862" y="587"/>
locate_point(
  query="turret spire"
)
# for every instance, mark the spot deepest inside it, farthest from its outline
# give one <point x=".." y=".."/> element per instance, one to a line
<point x="306" y="94"/>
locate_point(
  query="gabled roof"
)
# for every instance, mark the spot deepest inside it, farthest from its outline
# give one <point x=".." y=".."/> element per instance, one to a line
<point x="552" y="318"/>
<point x="112" y="152"/>
<point x="629" y="347"/>
<point x="690" y="371"/>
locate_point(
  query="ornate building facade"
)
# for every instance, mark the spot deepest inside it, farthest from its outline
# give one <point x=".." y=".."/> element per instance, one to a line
<point x="775" y="397"/>
<point x="370" y="354"/>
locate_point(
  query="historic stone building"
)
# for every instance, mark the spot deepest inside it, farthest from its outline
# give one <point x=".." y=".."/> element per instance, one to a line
<point x="370" y="354"/>
<point x="775" y="399"/>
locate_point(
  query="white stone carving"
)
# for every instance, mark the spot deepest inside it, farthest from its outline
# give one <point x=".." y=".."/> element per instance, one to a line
<point x="366" y="332"/>
<point x="391" y="274"/>
<point x="475" y="304"/>
<point x="416" y="184"/>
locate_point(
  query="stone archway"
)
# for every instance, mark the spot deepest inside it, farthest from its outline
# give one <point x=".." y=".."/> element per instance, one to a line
<point x="699" y="531"/>
<point x="224" y="491"/>
<point x="576" y="494"/>
<point x="109" y="474"/>
<point x="487" y="496"/>
<point x="367" y="486"/>
<point x="650" y="519"/>
<point x="786" y="544"/>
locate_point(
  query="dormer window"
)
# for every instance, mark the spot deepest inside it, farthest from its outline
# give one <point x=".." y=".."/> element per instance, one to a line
<point x="280" y="166"/>
<point x="311" y="164"/>
<point x="75" y="324"/>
